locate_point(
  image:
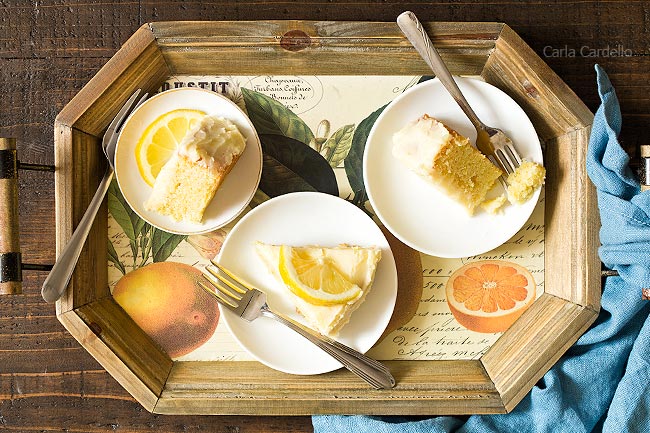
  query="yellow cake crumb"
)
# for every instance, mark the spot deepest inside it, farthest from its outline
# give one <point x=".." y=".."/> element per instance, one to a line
<point x="446" y="159"/>
<point x="494" y="205"/>
<point x="524" y="181"/>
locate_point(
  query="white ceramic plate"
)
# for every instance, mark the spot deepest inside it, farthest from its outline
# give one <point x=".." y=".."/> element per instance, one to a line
<point x="305" y="218"/>
<point x="235" y="192"/>
<point x="411" y="208"/>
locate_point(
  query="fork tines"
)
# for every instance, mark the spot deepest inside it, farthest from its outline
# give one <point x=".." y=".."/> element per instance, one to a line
<point x="508" y="158"/>
<point x="229" y="288"/>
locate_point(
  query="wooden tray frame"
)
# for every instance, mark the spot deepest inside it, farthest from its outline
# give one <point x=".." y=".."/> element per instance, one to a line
<point x="493" y="384"/>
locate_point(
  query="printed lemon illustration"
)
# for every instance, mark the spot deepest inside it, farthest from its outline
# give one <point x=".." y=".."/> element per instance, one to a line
<point x="160" y="139"/>
<point x="315" y="278"/>
<point x="488" y="296"/>
<point x="165" y="301"/>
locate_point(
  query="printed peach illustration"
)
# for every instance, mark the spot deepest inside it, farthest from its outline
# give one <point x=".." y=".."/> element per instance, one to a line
<point x="165" y="300"/>
<point x="488" y="296"/>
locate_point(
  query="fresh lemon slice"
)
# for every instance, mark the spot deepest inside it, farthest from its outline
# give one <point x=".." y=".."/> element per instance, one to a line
<point x="159" y="140"/>
<point x="314" y="278"/>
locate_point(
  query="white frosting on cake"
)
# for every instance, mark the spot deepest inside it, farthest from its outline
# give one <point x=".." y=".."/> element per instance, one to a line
<point x="418" y="144"/>
<point x="446" y="159"/>
<point x="212" y="143"/>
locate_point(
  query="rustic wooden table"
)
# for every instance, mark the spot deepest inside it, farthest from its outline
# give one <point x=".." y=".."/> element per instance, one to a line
<point x="49" y="49"/>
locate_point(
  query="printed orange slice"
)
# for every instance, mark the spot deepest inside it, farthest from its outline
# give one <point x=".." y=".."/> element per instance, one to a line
<point x="488" y="296"/>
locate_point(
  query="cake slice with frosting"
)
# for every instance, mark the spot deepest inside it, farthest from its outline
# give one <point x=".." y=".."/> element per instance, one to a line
<point x="326" y="313"/>
<point x="446" y="159"/>
<point x="188" y="182"/>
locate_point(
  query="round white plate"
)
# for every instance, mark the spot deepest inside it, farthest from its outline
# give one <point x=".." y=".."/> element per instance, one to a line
<point x="238" y="187"/>
<point x="305" y="218"/>
<point x="410" y="207"/>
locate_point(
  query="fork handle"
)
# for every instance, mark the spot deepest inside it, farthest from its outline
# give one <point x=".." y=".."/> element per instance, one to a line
<point x="414" y="32"/>
<point x="370" y="370"/>
<point x="56" y="282"/>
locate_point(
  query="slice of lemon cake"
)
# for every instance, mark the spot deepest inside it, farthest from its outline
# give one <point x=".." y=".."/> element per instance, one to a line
<point x="188" y="182"/>
<point x="325" y="284"/>
<point x="446" y="159"/>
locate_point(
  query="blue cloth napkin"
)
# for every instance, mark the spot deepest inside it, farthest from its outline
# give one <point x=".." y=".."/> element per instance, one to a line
<point x="602" y="383"/>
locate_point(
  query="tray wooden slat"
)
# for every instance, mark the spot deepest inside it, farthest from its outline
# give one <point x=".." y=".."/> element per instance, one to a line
<point x="423" y="387"/>
<point x="106" y="354"/>
<point x="338" y="48"/>
<point x="79" y="168"/>
<point x="122" y="348"/>
<point x="547" y="100"/>
<point x="576" y="270"/>
<point x="138" y="64"/>
<point x="521" y="356"/>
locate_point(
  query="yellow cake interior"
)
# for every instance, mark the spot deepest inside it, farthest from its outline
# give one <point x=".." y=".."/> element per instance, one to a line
<point x="523" y="182"/>
<point x="445" y="158"/>
<point x="188" y="182"/>
<point x="494" y="205"/>
<point x="358" y="264"/>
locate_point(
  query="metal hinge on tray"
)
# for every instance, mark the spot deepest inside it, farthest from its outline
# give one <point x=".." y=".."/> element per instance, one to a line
<point x="11" y="265"/>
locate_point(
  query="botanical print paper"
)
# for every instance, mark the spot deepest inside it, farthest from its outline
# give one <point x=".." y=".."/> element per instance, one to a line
<point x="324" y="120"/>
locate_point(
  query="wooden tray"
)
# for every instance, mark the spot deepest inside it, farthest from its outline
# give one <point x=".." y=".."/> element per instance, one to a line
<point x="496" y="382"/>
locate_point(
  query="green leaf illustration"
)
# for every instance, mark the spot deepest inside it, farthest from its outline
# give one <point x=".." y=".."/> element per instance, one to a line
<point x="337" y="147"/>
<point x="163" y="244"/>
<point x="271" y="117"/>
<point x="143" y="238"/>
<point x="281" y="179"/>
<point x="354" y="160"/>
<point x="139" y="225"/>
<point x="290" y="166"/>
<point x="131" y="223"/>
<point x="122" y="213"/>
<point x="113" y="257"/>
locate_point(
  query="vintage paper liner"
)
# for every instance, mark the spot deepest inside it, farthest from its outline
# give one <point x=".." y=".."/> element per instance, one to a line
<point x="422" y="327"/>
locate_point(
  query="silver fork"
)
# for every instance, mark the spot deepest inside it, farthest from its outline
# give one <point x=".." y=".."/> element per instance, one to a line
<point x="249" y="303"/>
<point x="56" y="282"/>
<point x="492" y="142"/>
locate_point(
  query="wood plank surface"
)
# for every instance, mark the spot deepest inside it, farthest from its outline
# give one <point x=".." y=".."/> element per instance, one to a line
<point x="202" y="48"/>
<point x="50" y="49"/>
<point x="572" y="279"/>
<point x="423" y="387"/>
<point x="517" y="359"/>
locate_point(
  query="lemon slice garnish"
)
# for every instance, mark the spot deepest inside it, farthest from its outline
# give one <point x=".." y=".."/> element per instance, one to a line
<point x="159" y="140"/>
<point x="314" y="278"/>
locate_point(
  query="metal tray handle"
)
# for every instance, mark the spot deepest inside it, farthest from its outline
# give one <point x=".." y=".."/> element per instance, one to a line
<point x="11" y="265"/>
